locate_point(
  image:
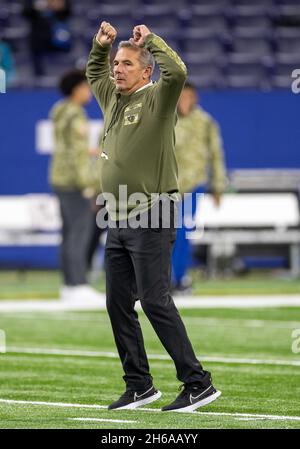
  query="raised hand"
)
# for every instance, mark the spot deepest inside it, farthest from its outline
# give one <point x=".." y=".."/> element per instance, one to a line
<point x="140" y="32"/>
<point x="106" y="34"/>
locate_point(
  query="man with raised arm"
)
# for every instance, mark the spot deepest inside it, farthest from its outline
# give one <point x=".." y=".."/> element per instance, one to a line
<point x="138" y="153"/>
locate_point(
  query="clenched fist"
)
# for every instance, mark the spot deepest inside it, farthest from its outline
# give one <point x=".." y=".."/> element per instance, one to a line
<point x="106" y="34"/>
<point x="140" y="32"/>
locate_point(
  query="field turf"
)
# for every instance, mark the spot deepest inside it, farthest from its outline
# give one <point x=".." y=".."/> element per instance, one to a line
<point x="43" y="284"/>
<point x="65" y="368"/>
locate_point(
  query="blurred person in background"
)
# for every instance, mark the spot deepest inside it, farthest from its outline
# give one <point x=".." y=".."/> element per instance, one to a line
<point x="201" y="168"/>
<point x="73" y="181"/>
<point x="96" y="231"/>
<point x="49" y="30"/>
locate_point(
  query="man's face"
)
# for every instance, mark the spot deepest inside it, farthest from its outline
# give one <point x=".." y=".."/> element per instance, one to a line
<point x="128" y="73"/>
<point x="187" y="101"/>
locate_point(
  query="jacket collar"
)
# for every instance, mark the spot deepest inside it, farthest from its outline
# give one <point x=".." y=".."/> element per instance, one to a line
<point x="128" y="97"/>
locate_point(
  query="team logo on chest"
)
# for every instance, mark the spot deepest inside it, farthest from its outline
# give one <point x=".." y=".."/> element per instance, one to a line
<point x="132" y="114"/>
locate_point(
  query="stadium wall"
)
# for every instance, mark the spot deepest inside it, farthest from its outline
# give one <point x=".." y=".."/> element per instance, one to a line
<point x="260" y="130"/>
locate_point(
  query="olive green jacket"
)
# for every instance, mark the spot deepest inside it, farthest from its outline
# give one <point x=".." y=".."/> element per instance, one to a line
<point x="139" y="134"/>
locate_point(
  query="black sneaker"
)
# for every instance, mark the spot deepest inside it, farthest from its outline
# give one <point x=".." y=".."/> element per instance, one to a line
<point x="191" y="398"/>
<point x="134" y="399"/>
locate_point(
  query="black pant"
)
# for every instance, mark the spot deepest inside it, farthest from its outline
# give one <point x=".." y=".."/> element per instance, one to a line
<point x="77" y="219"/>
<point x="94" y="242"/>
<point x="138" y="264"/>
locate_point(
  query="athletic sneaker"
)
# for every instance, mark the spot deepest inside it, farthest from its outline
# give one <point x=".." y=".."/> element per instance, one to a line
<point x="81" y="294"/>
<point x="192" y="397"/>
<point x="134" y="399"/>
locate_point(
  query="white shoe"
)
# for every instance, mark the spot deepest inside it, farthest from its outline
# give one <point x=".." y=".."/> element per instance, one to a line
<point x="81" y="294"/>
<point x="65" y="292"/>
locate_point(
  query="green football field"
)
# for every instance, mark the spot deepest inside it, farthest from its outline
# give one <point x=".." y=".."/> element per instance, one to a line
<point x="61" y="370"/>
<point x="45" y="284"/>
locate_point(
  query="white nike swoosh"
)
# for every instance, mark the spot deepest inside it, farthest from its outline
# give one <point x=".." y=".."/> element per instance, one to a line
<point x="137" y="396"/>
<point x="104" y="155"/>
<point x="192" y="398"/>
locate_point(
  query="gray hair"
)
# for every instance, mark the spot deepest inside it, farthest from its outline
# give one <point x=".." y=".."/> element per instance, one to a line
<point x="146" y="58"/>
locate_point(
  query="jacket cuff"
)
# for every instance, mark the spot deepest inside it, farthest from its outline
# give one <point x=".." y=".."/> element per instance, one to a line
<point x="148" y="39"/>
<point x="97" y="45"/>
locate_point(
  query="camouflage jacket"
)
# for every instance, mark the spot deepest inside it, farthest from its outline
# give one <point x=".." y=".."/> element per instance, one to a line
<point x="199" y="152"/>
<point x="71" y="166"/>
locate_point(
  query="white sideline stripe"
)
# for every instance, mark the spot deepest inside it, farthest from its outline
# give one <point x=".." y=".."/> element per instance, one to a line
<point x="102" y="420"/>
<point x="250" y="419"/>
<point x="253" y="301"/>
<point x="101" y="407"/>
<point x="237" y="322"/>
<point x="114" y="355"/>
<point x="190" y="320"/>
<point x="182" y="302"/>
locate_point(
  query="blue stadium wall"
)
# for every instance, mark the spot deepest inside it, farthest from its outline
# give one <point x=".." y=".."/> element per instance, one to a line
<point x="260" y="130"/>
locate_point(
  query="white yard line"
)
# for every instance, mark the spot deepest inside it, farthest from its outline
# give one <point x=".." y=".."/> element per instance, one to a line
<point x="251" y="361"/>
<point x="102" y="420"/>
<point x="101" y="407"/>
<point x="232" y="322"/>
<point x="185" y="302"/>
<point x="53" y="404"/>
<point x="114" y="355"/>
<point x="65" y="352"/>
<point x="250" y="419"/>
<point x="189" y="320"/>
<point x="61" y="316"/>
<point x="239" y="302"/>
